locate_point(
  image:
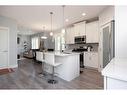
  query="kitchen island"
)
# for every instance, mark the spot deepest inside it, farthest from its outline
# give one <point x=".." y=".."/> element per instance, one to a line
<point x="69" y="68"/>
<point x="115" y="74"/>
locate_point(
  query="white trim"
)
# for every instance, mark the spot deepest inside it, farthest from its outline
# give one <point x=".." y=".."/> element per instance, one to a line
<point x="13" y="66"/>
<point x="105" y="83"/>
<point x="6" y="28"/>
<point x="101" y="44"/>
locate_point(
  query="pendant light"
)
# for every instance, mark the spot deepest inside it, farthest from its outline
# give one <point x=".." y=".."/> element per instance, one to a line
<point x="51" y="33"/>
<point x="63" y="29"/>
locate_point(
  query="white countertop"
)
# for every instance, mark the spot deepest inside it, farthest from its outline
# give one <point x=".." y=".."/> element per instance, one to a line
<point x="56" y="53"/>
<point x="116" y="69"/>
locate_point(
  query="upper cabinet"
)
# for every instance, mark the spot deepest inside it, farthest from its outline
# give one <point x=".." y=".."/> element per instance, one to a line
<point x="69" y="36"/>
<point x="79" y="28"/>
<point x="92" y="32"/>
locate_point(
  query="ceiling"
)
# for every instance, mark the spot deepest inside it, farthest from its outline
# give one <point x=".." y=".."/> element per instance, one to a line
<point x="36" y="17"/>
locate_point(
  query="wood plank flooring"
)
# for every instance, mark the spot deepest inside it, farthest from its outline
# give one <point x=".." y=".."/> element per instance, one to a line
<point x="26" y="77"/>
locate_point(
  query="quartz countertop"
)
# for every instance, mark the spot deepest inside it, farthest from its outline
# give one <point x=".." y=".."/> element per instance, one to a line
<point x="56" y="53"/>
<point x="117" y="69"/>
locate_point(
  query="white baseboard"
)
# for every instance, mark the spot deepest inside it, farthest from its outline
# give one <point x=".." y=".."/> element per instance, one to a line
<point x="12" y="66"/>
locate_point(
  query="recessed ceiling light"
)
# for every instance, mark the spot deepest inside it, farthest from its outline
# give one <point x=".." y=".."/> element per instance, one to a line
<point x="67" y="20"/>
<point x="83" y="14"/>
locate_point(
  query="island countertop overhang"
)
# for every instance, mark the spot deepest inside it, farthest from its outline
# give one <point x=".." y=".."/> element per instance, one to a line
<point x="117" y="69"/>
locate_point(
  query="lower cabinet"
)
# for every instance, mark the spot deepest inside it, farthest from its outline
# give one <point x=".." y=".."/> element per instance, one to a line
<point x="91" y="59"/>
<point x="39" y="56"/>
<point x="112" y="83"/>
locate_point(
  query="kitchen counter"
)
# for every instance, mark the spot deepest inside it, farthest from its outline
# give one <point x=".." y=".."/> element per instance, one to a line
<point x="114" y="73"/>
<point x="69" y="68"/>
<point x="117" y="69"/>
<point x="62" y="53"/>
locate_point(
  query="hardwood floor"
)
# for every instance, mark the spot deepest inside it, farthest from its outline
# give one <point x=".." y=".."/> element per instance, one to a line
<point x="26" y="77"/>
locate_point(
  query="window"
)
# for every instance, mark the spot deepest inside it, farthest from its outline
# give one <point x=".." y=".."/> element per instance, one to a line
<point x="35" y="43"/>
<point x="63" y="43"/>
<point x="59" y="42"/>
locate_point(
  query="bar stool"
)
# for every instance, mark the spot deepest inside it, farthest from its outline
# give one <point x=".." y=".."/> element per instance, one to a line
<point x="50" y="59"/>
<point x="41" y="57"/>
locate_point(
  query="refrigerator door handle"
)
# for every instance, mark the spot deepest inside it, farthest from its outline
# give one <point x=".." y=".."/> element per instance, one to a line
<point x="109" y="46"/>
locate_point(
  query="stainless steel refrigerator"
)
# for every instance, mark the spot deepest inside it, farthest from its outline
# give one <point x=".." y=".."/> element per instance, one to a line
<point x="108" y="42"/>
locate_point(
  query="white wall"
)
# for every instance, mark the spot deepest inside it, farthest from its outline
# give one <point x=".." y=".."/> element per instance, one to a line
<point x="121" y="31"/>
<point x="106" y="15"/>
<point x="12" y="25"/>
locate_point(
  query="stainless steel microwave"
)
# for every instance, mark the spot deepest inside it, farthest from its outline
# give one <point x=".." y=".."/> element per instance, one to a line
<point x="80" y="39"/>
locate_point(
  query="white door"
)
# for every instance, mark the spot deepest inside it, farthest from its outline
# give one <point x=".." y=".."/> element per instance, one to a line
<point x="4" y="33"/>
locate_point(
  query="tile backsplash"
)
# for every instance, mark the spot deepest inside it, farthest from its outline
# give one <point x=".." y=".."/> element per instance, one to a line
<point x="72" y="46"/>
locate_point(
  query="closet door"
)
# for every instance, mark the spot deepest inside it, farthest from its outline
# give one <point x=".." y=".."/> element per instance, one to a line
<point x="4" y="36"/>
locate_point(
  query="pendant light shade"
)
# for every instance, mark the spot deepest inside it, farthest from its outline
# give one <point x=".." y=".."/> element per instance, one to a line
<point x="51" y="33"/>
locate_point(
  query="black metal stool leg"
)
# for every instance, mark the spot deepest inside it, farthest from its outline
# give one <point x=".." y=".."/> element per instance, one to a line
<point x="42" y="74"/>
<point x="52" y="81"/>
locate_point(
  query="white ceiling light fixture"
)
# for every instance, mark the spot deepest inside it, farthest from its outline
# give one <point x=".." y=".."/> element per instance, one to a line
<point x="63" y="29"/>
<point x="43" y="37"/>
<point x="51" y="33"/>
<point x="83" y="14"/>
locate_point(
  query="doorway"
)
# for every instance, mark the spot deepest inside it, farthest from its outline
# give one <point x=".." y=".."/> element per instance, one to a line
<point x="4" y="50"/>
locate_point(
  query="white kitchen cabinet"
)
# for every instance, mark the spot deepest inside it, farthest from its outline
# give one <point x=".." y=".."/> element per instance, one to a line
<point x="92" y="32"/>
<point x="80" y="28"/>
<point x="39" y="56"/>
<point x="91" y="59"/>
<point x="69" y="68"/>
<point x="69" y="36"/>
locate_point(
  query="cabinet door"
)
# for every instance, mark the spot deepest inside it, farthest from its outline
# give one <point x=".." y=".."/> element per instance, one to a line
<point x="72" y="35"/>
<point x="82" y="29"/>
<point x="69" y="38"/>
<point x="91" y="59"/>
<point x="79" y="29"/>
<point x="87" y="61"/>
<point x="39" y="56"/>
<point x="94" y="60"/>
<point x="92" y="32"/>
